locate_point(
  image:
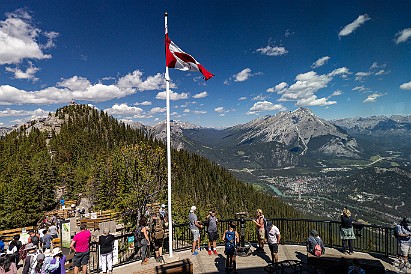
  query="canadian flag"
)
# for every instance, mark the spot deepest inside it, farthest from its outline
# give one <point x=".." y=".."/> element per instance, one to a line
<point x="178" y="59"/>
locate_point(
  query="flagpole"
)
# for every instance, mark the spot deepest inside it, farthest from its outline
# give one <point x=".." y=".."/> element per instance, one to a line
<point x="170" y="221"/>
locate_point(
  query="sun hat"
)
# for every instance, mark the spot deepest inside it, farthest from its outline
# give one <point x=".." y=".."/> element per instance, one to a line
<point x="30" y="246"/>
<point x="56" y="251"/>
<point x="193" y="208"/>
<point x="47" y="252"/>
<point x="163" y="205"/>
<point x="40" y="257"/>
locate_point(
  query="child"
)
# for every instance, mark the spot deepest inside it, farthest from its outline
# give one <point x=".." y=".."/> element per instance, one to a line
<point x="230" y="238"/>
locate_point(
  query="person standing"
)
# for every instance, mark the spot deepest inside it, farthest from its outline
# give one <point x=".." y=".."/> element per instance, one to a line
<point x="259" y="223"/>
<point x="81" y="247"/>
<point x="106" y="242"/>
<point x="347" y="231"/>
<point x="46" y="239"/>
<point x="158" y="233"/>
<point x="274" y="238"/>
<point x="195" y="227"/>
<point x="212" y="232"/>
<point x="145" y="240"/>
<point x="312" y="241"/>
<point x="230" y="238"/>
<point x="403" y="231"/>
<point x="7" y="265"/>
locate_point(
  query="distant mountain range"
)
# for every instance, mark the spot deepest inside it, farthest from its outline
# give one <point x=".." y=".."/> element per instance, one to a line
<point x="294" y="138"/>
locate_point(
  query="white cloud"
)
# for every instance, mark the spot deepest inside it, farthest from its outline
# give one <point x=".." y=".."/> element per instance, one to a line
<point x="259" y="97"/>
<point x="173" y="95"/>
<point x="186" y="110"/>
<point x="134" y="80"/>
<point x="75" y="83"/>
<point x="348" y="29"/>
<point x="8" y="112"/>
<point x="402" y="36"/>
<point x="221" y="110"/>
<point x="320" y="62"/>
<point x="304" y="89"/>
<point x="342" y="72"/>
<point x="336" y="93"/>
<point x="51" y="36"/>
<point x="265" y="106"/>
<point x="242" y="75"/>
<point x="272" y="50"/>
<point x="406" y="86"/>
<point x="372" y="98"/>
<point x="77" y="88"/>
<point x="361" y="75"/>
<point x="28" y="74"/>
<point x="360" y="88"/>
<point x="242" y="98"/>
<point x="144" y="103"/>
<point x="199" y="111"/>
<point x="278" y="87"/>
<point x="123" y="109"/>
<point x="200" y="95"/>
<point x="19" y="39"/>
<point x="156" y="110"/>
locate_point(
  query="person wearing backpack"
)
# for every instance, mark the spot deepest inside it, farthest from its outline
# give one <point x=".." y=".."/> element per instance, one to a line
<point x="212" y="233"/>
<point x="273" y="239"/>
<point x="157" y="236"/>
<point x="315" y="245"/>
<point x="31" y="258"/>
<point x="403" y="235"/>
<point x="259" y="223"/>
<point x="230" y="238"/>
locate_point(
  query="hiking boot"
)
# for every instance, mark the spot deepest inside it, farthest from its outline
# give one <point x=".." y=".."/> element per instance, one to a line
<point x="215" y="252"/>
<point x="209" y="252"/>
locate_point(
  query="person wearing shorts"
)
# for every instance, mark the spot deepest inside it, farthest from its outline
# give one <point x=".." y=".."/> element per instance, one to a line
<point x="194" y="227"/>
<point x="404" y="241"/>
<point x="273" y="240"/>
<point x="212" y="233"/>
<point x="259" y="223"/>
<point x="81" y="247"/>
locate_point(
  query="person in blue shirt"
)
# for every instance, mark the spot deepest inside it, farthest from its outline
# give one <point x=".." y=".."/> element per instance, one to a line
<point x="2" y="245"/>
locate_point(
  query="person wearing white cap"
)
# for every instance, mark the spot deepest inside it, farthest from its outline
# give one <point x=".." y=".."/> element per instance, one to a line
<point x="194" y="226"/>
<point x="163" y="212"/>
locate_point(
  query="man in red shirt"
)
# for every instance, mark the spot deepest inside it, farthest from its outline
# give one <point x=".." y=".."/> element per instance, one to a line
<point x="81" y="246"/>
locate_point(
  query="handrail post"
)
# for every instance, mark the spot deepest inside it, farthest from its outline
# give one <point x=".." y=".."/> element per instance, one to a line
<point x="330" y="234"/>
<point x="386" y="240"/>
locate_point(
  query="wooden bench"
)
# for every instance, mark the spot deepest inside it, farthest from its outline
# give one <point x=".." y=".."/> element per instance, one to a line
<point x="182" y="266"/>
<point x="8" y="234"/>
<point x="336" y="264"/>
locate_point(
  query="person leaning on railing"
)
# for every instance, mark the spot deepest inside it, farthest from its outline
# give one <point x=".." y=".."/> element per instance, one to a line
<point x="347" y="231"/>
<point x="403" y="230"/>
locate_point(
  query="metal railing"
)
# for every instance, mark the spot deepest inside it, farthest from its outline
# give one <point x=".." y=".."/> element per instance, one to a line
<point x="369" y="238"/>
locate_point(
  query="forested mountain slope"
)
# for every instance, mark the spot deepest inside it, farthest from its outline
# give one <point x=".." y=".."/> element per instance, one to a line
<point x="117" y="167"/>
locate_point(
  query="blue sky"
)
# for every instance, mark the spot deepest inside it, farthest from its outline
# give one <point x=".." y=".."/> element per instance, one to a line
<point x="338" y="58"/>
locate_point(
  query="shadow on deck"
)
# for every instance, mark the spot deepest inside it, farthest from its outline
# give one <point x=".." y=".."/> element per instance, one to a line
<point x="292" y="259"/>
